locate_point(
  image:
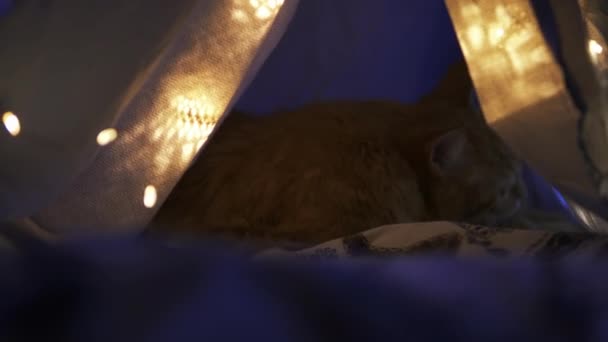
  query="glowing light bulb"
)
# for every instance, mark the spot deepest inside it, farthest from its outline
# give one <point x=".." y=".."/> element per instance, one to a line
<point x="595" y="48"/>
<point x="263" y="13"/>
<point x="150" y="196"/>
<point x="11" y="123"/>
<point x="264" y="9"/>
<point x="106" y="136"/>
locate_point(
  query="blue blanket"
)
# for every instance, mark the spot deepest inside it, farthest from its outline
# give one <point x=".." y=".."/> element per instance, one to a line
<point x="135" y="290"/>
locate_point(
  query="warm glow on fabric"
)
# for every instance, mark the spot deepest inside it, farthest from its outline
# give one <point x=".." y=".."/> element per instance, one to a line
<point x="498" y="37"/>
<point x="196" y="119"/>
<point x="519" y="84"/>
<point x="186" y="75"/>
<point x="264" y="9"/>
<point x="245" y="11"/>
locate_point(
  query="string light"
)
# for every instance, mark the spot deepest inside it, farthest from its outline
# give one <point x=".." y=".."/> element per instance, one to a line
<point x="595" y="48"/>
<point x="150" y="196"/>
<point x="501" y="40"/>
<point x="106" y="136"/>
<point x="11" y="123"/>
<point x="264" y="9"/>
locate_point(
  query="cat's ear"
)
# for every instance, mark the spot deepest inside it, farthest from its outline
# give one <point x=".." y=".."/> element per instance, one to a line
<point x="447" y="151"/>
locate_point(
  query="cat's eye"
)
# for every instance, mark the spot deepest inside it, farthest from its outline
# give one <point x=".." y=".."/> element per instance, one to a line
<point x="11" y="123"/>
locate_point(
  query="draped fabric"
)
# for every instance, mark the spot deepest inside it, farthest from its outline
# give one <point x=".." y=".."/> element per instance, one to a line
<point x="538" y="88"/>
<point x="109" y="101"/>
<point x="158" y="82"/>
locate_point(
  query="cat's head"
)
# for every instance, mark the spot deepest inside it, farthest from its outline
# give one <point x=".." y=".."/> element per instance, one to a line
<point x="474" y="176"/>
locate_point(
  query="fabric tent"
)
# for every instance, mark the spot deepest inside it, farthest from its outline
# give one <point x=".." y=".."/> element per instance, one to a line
<point x="200" y="292"/>
<point x="104" y="157"/>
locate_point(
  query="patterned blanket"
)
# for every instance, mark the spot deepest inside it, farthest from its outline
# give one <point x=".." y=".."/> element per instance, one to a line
<point x="455" y="239"/>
